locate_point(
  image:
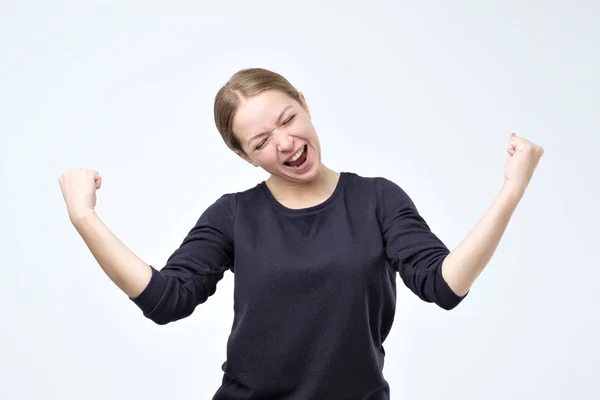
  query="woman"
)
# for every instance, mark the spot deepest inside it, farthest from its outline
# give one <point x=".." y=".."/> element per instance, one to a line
<point x="314" y="253"/>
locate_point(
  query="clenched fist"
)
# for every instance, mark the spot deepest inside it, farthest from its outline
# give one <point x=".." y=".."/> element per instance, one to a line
<point x="78" y="188"/>
<point x="523" y="158"/>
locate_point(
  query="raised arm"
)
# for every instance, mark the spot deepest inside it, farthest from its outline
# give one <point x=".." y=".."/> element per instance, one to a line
<point x="122" y="266"/>
<point x="462" y="267"/>
<point x="130" y="273"/>
<point x="191" y="273"/>
<point x="427" y="267"/>
<point x="412" y="248"/>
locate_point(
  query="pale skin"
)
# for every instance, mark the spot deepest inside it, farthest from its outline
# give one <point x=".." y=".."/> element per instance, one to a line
<point x="271" y="127"/>
<point x="466" y="262"/>
<point x="282" y="137"/>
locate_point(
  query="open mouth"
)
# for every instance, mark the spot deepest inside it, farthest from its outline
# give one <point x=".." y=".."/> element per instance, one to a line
<point x="297" y="159"/>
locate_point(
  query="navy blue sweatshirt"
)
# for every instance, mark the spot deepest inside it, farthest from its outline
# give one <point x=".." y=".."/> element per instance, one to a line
<point x="314" y="289"/>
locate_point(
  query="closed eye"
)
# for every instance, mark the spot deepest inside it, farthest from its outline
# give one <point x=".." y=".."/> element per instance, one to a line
<point x="261" y="144"/>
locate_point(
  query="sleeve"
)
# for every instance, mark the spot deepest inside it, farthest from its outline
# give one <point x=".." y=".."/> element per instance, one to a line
<point x="412" y="248"/>
<point x="192" y="272"/>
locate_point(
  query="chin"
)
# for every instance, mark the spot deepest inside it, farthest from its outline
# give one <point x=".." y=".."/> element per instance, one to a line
<point x="309" y="175"/>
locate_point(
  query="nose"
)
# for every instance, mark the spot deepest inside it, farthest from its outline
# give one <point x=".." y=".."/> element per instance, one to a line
<point x="285" y="142"/>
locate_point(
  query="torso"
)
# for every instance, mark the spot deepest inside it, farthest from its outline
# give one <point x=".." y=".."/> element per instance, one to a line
<point x="313" y="296"/>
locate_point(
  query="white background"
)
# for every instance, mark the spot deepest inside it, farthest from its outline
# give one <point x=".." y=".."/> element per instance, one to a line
<point x="423" y="93"/>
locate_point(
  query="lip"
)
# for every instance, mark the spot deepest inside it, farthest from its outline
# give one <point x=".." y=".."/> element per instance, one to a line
<point x="301" y="170"/>
<point x="295" y="151"/>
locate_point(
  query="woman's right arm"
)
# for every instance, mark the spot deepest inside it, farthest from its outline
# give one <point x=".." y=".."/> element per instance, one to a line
<point x="191" y="273"/>
<point x="122" y="266"/>
<point x="125" y="269"/>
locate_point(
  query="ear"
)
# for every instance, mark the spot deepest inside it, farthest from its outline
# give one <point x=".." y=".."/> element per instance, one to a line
<point x="304" y="104"/>
<point x="245" y="158"/>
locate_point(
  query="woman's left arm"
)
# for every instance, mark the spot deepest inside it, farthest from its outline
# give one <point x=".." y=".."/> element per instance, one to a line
<point x="464" y="264"/>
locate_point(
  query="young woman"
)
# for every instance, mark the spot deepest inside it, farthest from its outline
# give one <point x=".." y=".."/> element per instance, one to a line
<point x="314" y="253"/>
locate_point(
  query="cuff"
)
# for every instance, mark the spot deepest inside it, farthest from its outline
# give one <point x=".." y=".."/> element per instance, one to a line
<point x="152" y="293"/>
<point x="446" y="298"/>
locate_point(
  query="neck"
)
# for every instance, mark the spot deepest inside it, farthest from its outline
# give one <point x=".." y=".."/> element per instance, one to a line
<point x="322" y="185"/>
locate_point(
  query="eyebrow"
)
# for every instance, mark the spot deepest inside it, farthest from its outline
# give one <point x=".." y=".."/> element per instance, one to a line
<point x="264" y="133"/>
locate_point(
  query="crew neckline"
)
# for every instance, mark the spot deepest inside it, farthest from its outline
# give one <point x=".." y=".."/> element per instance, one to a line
<point x="323" y="204"/>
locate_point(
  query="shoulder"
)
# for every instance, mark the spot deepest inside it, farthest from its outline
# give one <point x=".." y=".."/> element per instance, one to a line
<point x="388" y="199"/>
<point x="228" y="203"/>
<point x="220" y="215"/>
<point x="233" y="198"/>
<point x="379" y="186"/>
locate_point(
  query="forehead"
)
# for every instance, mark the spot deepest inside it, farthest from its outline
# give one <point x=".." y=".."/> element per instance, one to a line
<point x="259" y="113"/>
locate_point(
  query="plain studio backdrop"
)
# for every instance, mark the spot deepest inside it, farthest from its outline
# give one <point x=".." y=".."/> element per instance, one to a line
<point x="423" y="93"/>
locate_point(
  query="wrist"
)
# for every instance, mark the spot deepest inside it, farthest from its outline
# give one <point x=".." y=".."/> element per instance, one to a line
<point x="513" y="189"/>
<point x="81" y="217"/>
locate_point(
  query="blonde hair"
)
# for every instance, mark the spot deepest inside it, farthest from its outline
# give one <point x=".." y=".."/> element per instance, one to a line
<point x="243" y="84"/>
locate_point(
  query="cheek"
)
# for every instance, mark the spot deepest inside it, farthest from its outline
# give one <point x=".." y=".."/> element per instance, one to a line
<point x="304" y="130"/>
<point x="268" y="158"/>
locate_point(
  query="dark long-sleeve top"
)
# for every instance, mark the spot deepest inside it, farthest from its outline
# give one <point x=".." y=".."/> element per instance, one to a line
<point x="314" y="288"/>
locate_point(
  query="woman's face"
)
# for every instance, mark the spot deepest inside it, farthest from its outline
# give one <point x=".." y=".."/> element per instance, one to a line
<point x="277" y="135"/>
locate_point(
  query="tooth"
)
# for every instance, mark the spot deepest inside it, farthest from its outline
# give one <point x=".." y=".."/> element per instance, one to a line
<point x="297" y="155"/>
